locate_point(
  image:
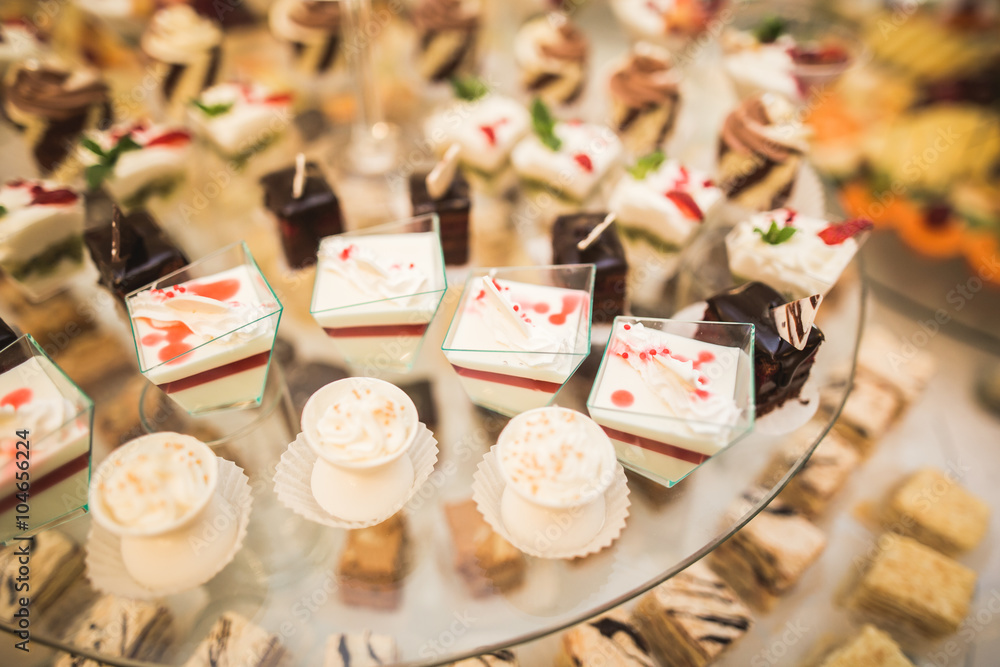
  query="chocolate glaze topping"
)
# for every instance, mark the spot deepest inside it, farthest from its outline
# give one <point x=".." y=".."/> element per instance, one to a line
<point x="437" y="15"/>
<point x="43" y="92"/>
<point x="644" y="81"/>
<point x="746" y="131"/>
<point x="570" y="44"/>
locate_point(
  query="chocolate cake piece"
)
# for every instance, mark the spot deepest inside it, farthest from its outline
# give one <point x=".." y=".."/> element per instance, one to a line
<point x="452" y="209"/>
<point x="305" y="219"/>
<point x="144" y="252"/>
<point x="606" y="252"/>
<point x="7" y="335"/>
<point x="780" y="370"/>
<point x="871" y="648"/>
<point x="371" y="566"/>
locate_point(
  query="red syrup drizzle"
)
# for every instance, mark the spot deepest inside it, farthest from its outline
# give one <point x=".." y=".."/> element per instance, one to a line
<point x="570" y="302"/>
<point x="170" y="138"/>
<point x="220" y="290"/>
<point x="17" y="398"/>
<point x="622" y="398"/>
<point x="704" y="357"/>
<point x="173" y="334"/>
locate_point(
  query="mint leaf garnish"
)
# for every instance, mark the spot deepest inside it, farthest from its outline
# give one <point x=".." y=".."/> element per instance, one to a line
<point x="97" y="173"/>
<point x="775" y="235"/>
<point x="646" y="164"/>
<point x="544" y="124"/>
<point x="3" y="210"/>
<point x="770" y="29"/>
<point x="92" y="146"/>
<point x="213" y="110"/>
<point x="469" y="88"/>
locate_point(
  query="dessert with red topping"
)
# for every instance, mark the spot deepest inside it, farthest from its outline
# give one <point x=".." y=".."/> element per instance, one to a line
<point x="670" y="395"/>
<point x="377" y="290"/>
<point x="240" y="120"/>
<point x="605" y="252"/>
<point x="306" y="209"/>
<point x="780" y="369"/>
<point x="131" y="251"/>
<point x="552" y="53"/>
<point x="519" y="334"/>
<point x="204" y="334"/>
<point x="41" y="235"/>
<point x="567" y="159"/>
<point x="645" y="95"/>
<point x="136" y="161"/>
<point x="45" y="415"/>
<point x="796" y="254"/>
<point x="447" y="31"/>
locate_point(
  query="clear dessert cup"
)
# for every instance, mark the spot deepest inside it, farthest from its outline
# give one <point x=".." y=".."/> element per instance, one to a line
<point x="45" y="446"/>
<point x="554" y="486"/>
<point x="203" y="334"/>
<point x="672" y="394"/>
<point x="377" y="290"/>
<point x="360" y="429"/>
<point x="520" y="333"/>
<point x="158" y="493"/>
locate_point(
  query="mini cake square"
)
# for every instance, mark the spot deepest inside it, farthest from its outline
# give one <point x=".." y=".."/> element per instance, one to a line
<point x="870" y="648"/>
<point x="453" y="210"/>
<point x="238" y="119"/>
<point x="931" y="507"/>
<point x="913" y="589"/>
<point x="122" y="628"/>
<point x="611" y="640"/>
<point x="56" y="563"/>
<point x="487" y="562"/>
<point x="605" y="252"/>
<point x="870" y="410"/>
<point x="822" y="477"/>
<point x="501" y="658"/>
<point x="306" y="209"/>
<point x="234" y="640"/>
<point x="371" y="566"/>
<point x="691" y="619"/>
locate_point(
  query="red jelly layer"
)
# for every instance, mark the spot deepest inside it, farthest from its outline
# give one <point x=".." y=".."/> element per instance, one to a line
<point x="509" y="380"/>
<point x="378" y="330"/>
<point x="38" y="485"/>
<point x="216" y="373"/>
<point x="672" y="451"/>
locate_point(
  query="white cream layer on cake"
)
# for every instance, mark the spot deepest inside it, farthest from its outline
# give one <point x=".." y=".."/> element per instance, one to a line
<point x="587" y="154"/>
<point x="485" y="130"/>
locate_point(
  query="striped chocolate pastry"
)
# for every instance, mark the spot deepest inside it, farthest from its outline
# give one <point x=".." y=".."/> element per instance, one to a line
<point x="312" y="27"/>
<point x="447" y="31"/>
<point x="645" y="93"/>
<point x="552" y="53"/>
<point x="186" y="49"/>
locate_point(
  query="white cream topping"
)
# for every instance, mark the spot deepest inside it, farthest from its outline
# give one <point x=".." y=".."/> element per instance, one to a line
<point x="644" y="203"/>
<point x="761" y="67"/>
<point x="587" y="154"/>
<point x="283" y="27"/>
<point x="363" y="425"/>
<point x="207" y="318"/>
<point x="685" y="390"/>
<point x="486" y="130"/>
<point x="157" y="483"/>
<point x="801" y="266"/>
<point x="41" y="417"/>
<point x="645" y="17"/>
<point x="26" y="229"/>
<point x="177" y="34"/>
<point x="513" y="331"/>
<point x="136" y="169"/>
<point x="556" y="457"/>
<point x="369" y="275"/>
<point x="255" y="113"/>
<point x="18" y="42"/>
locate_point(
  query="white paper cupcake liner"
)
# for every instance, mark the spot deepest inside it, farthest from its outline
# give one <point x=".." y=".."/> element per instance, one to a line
<point x="292" y="480"/>
<point x="106" y="568"/>
<point x="487" y="488"/>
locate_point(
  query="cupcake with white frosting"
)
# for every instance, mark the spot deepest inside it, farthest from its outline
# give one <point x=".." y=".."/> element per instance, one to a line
<point x="186" y="49"/>
<point x="551" y="53"/>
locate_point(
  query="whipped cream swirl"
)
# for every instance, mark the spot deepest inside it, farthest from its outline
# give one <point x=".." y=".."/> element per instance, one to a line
<point x="360" y="267"/>
<point x="41" y="417"/>
<point x="645" y="79"/>
<point x="363" y="425"/>
<point x="514" y="332"/>
<point x="208" y="319"/>
<point x="765" y="125"/>
<point x="684" y="389"/>
<point x="157" y="484"/>
<point x="556" y="457"/>
<point x="177" y="34"/>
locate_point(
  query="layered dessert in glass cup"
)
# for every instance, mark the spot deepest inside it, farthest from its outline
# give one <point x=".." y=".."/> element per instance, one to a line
<point x="672" y="394"/>
<point x="520" y="333"/>
<point x="377" y="289"/>
<point x="45" y="436"/>
<point x="41" y="236"/>
<point x="204" y="334"/>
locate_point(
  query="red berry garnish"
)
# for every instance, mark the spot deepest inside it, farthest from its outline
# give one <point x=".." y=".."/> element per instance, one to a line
<point x="686" y="204"/>
<point x="172" y="138"/>
<point x="491" y="135"/>
<point x="836" y="234"/>
<point x="56" y="197"/>
<point x="278" y="98"/>
<point x="584" y="161"/>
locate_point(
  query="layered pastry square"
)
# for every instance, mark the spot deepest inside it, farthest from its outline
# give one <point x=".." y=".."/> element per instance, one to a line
<point x="869" y="648"/>
<point x="41" y="235"/>
<point x="362" y="649"/>
<point x="234" y="640"/>
<point x="204" y="334"/>
<point x="611" y="640"/>
<point x="691" y="619"/>
<point x="122" y="628"/>
<point x="821" y="478"/>
<point x="56" y="562"/>
<point x="185" y="50"/>
<point x="768" y="556"/>
<point x="238" y="120"/>
<point x="668" y="399"/>
<point x="452" y="209"/>
<point x="551" y="53"/>
<point x="447" y="32"/>
<point x="933" y="508"/>
<point x="605" y="252"/>
<point x="914" y="590"/>
<point x="311" y="29"/>
<point x="645" y="96"/>
<point x="372" y="565"/>
<point x="502" y="658"/>
<point x="780" y="369"/>
<point x="797" y="255"/>
<point x="487" y="562"/>
<point x="306" y="209"/>
<point x="870" y="410"/>
<point x="131" y="251"/>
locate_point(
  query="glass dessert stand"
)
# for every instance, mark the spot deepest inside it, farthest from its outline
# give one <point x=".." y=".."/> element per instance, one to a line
<point x="287" y="577"/>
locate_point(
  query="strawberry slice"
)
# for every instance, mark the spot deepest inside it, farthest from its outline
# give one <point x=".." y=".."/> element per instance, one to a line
<point x="171" y="138"/>
<point x="836" y="234"/>
<point x="686" y="203"/>
<point x="491" y="134"/>
<point x="584" y="161"/>
<point x="278" y="98"/>
<point x="56" y="197"/>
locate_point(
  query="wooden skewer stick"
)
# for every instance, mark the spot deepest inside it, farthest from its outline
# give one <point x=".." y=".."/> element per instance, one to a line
<point x="596" y="232"/>
<point x="299" y="181"/>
